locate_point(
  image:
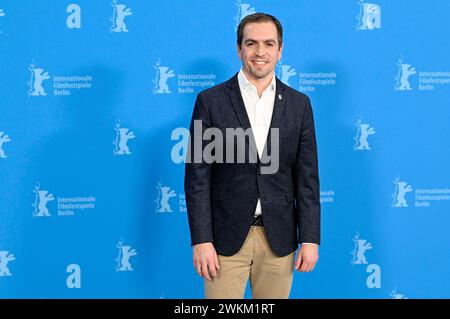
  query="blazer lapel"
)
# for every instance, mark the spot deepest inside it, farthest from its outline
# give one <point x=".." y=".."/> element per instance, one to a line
<point x="239" y="108"/>
<point x="279" y="103"/>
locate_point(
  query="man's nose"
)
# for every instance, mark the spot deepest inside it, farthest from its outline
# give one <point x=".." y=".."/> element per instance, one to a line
<point x="259" y="50"/>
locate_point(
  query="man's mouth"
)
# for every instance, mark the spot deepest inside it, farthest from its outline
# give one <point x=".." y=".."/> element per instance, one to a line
<point x="258" y="62"/>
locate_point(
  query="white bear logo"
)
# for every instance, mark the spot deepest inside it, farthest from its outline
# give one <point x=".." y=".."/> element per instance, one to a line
<point x="401" y="188"/>
<point x="286" y="72"/>
<point x="162" y="75"/>
<point x="122" y="137"/>
<point x="2" y="14"/>
<point x="244" y="9"/>
<point x="40" y="205"/>
<point x="165" y="193"/>
<point x="406" y="72"/>
<point x="125" y="253"/>
<point x="370" y="16"/>
<point x="364" y="131"/>
<point x="5" y="258"/>
<point x="402" y="78"/>
<point x="3" y="139"/>
<point x="37" y="77"/>
<point x="361" y="246"/>
<point x="118" y="18"/>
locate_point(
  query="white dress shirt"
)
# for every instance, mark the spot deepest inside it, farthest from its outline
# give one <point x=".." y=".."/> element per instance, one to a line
<point x="259" y="111"/>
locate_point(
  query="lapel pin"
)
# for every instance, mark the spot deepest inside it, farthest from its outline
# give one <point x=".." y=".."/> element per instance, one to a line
<point x="280" y="97"/>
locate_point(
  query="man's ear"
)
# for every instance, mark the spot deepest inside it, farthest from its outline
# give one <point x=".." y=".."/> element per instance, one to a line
<point x="239" y="51"/>
<point x="280" y="51"/>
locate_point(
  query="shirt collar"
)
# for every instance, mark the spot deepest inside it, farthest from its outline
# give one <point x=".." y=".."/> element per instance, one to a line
<point x="245" y="84"/>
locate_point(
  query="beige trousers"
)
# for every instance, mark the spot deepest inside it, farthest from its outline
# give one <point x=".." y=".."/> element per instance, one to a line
<point x="270" y="275"/>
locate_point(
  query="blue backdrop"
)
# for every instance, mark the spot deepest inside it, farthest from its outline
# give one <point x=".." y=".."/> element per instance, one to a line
<point x="91" y="199"/>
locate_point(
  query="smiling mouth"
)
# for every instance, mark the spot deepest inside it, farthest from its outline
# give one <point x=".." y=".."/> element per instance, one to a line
<point x="259" y="62"/>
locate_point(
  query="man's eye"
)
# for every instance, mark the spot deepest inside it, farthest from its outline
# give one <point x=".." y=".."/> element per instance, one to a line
<point x="249" y="44"/>
<point x="270" y="44"/>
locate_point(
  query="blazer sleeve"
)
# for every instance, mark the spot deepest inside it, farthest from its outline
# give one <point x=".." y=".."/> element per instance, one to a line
<point x="307" y="181"/>
<point x="197" y="181"/>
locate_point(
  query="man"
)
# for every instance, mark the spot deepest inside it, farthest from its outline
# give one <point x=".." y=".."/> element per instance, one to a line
<point x="245" y="223"/>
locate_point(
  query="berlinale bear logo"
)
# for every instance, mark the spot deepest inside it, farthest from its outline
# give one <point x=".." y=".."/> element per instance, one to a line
<point x="162" y="75"/>
<point x="5" y="258"/>
<point x="3" y="139"/>
<point x="123" y="260"/>
<point x="118" y="18"/>
<point x="369" y="17"/>
<point x="37" y="77"/>
<point x="40" y="202"/>
<point x="363" y="132"/>
<point x="122" y="136"/>
<point x="402" y="78"/>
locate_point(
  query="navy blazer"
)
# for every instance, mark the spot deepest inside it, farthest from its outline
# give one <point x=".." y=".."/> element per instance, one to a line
<point x="221" y="197"/>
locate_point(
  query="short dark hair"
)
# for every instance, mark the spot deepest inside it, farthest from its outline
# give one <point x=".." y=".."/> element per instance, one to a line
<point x="259" y="17"/>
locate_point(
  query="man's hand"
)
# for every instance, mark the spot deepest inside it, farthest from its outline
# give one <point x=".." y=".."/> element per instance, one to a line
<point x="205" y="260"/>
<point x="307" y="257"/>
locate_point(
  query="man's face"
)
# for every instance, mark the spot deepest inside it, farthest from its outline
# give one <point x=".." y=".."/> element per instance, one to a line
<point x="259" y="50"/>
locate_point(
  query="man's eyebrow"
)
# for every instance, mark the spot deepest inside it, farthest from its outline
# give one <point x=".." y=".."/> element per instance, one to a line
<point x="252" y="40"/>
